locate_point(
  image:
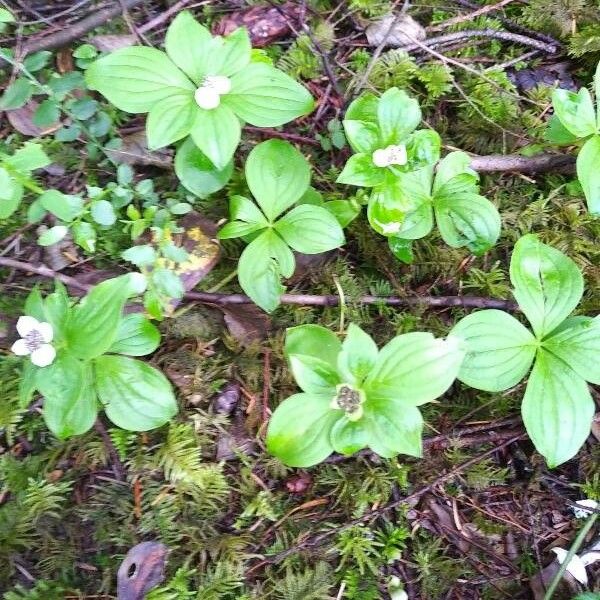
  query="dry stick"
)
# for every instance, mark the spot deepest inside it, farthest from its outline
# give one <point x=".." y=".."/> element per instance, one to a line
<point x="470" y="16"/>
<point x="380" y="511"/>
<point x="117" y="465"/>
<point x="62" y="37"/>
<point x="540" y="163"/>
<point x="506" y="36"/>
<point x="302" y="299"/>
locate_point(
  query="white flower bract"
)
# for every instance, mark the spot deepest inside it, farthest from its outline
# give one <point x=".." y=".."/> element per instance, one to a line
<point x="392" y="155"/>
<point x="35" y="341"/>
<point x="582" y="513"/>
<point x="208" y="95"/>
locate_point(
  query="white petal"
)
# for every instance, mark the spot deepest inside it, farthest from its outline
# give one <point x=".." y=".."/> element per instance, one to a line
<point x="380" y="158"/>
<point x="207" y="98"/>
<point x="46" y="331"/>
<point x="20" y="348"/>
<point x="26" y="324"/>
<point x="581" y="513"/>
<point x="220" y="83"/>
<point x="397" y="154"/>
<point x="576" y="567"/>
<point x="589" y="558"/>
<point x="43" y="356"/>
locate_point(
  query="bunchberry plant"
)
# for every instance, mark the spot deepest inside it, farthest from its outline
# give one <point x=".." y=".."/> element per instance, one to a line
<point x="575" y="120"/>
<point x="78" y="356"/>
<point x="382" y="132"/>
<point x="463" y="217"/>
<point x="203" y="86"/>
<point x="557" y="406"/>
<point x="15" y="176"/>
<point x="356" y="396"/>
<point x="278" y="176"/>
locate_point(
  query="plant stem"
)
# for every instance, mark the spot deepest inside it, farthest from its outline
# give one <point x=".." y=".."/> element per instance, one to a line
<point x="570" y="554"/>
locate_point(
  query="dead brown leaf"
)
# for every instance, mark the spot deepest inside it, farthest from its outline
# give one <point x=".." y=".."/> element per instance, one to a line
<point x="246" y="322"/>
<point x="265" y="23"/>
<point x="134" y="151"/>
<point x="22" y="120"/>
<point x="110" y="42"/>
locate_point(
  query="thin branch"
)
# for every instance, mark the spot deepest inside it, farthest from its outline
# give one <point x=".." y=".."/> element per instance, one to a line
<point x="506" y="36"/>
<point x="62" y="37"/>
<point x="540" y="163"/>
<point x="470" y="16"/>
<point x="300" y="299"/>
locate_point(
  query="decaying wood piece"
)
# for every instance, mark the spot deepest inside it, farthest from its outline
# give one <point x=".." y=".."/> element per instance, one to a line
<point x="142" y="569"/>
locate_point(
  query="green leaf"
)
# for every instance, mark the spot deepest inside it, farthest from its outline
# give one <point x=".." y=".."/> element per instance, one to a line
<point x="136" y="336"/>
<point x="358" y="356"/>
<point x="84" y="235"/>
<point x="70" y="405"/>
<point x="141" y="256"/>
<point x="168" y="283"/>
<point x="393" y="427"/>
<point x="53" y="235"/>
<point x="265" y="97"/>
<point x="259" y="274"/>
<point x="136" y="396"/>
<point x="577" y="343"/>
<point x="170" y="120"/>
<point x="362" y="136"/>
<point x="314" y="375"/>
<point x="499" y="350"/>
<point x="93" y="325"/>
<point x="348" y="437"/>
<point x="414" y="368"/>
<point x="16" y="94"/>
<point x="217" y="133"/>
<point x="344" y="211"/>
<point x="557" y="133"/>
<point x="230" y="54"/>
<point x="188" y="45"/>
<point x="299" y="430"/>
<point x="47" y="113"/>
<point x="388" y="207"/>
<point x="313" y="340"/>
<point x="65" y="207"/>
<point x="360" y="170"/>
<point x="135" y="79"/>
<point x="575" y="111"/>
<point x="402" y="249"/>
<point x="467" y="220"/>
<point x="29" y="158"/>
<point x="547" y="284"/>
<point x="279" y="251"/>
<point x="277" y="175"/>
<point x="417" y="224"/>
<point x="27" y="383"/>
<point x="196" y="173"/>
<point x="11" y="194"/>
<point x="6" y="16"/>
<point x="588" y="173"/>
<point x="245" y="216"/>
<point x="557" y="409"/>
<point x="310" y="229"/>
<point x="398" y="116"/>
<point x="452" y="165"/>
<point x="423" y="148"/>
<point x="364" y="108"/>
<point x="103" y="213"/>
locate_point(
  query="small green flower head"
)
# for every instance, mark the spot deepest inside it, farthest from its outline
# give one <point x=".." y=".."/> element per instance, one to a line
<point x="382" y="132"/>
<point x="204" y="86"/>
<point x="356" y="396"/>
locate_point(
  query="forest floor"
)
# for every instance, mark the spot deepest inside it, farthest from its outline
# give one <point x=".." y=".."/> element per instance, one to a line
<point x="478" y="515"/>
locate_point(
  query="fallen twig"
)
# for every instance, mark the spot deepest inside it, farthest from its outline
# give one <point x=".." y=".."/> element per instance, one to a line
<point x="302" y="299"/>
<point x="540" y="163"/>
<point x="62" y="37"/>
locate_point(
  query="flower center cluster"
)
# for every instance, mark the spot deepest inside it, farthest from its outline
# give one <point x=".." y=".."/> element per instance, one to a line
<point x="392" y="155"/>
<point x="34" y="340"/>
<point x="349" y="400"/>
<point x="208" y="95"/>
